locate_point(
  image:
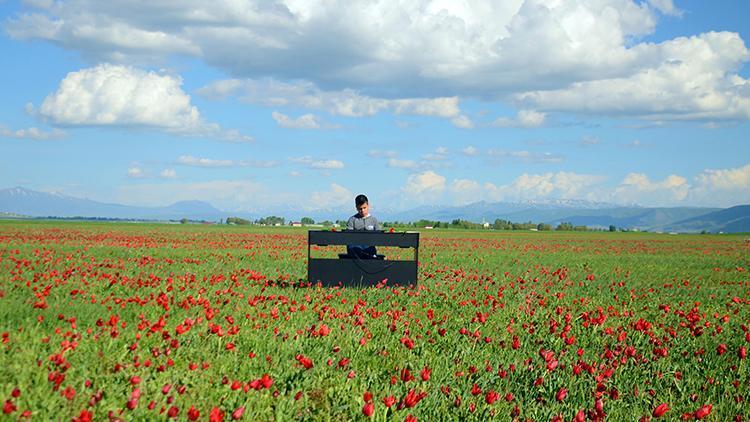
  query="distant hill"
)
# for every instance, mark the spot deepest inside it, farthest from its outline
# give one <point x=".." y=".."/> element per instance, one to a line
<point x="583" y="213"/>
<point x="19" y="201"/>
<point x="488" y="211"/>
<point x="730" y="220"/>
<point x="635" y="218"/>
<point x="31" y="203"/>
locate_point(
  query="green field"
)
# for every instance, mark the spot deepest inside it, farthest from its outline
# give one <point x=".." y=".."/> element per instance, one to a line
<point x="149" y="321"/>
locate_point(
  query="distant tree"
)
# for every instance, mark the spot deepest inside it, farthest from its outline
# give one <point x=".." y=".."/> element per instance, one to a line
<point x="271" y="220"/>
<point x="543" y="227"/>
<point x="238" y="221"/>
<point x="327" y="223"/>
<point x="612" y="228"/>
<point x="307" y="220"/>
<point x="184" y="221"/>
<point x="564" y="227"/>
<point x="502" y="225"/>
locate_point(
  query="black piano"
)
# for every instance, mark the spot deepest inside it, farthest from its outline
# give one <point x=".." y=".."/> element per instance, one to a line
<point x="350" y="271"/>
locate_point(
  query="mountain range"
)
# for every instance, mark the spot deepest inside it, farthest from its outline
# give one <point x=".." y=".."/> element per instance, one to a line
<point x="19" y="201"/>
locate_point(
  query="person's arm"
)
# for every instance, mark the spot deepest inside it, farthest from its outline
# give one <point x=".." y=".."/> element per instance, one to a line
<point x="350" y="224"/>
<point x="377" y="225"/>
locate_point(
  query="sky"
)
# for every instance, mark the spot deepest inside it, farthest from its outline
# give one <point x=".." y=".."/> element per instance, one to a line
<point x="264" y="105"/>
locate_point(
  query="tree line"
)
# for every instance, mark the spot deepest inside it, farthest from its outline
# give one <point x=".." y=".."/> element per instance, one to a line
<point x="498" y="224"/>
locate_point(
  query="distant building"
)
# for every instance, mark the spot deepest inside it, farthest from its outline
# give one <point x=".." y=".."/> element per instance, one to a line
<point x="295" y="224"/>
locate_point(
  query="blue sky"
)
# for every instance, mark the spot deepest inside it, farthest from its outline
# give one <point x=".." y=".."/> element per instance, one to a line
<point x="259" y="106"/>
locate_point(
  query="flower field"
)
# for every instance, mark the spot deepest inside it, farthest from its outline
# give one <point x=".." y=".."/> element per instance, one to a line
<point x="143" y="322"/>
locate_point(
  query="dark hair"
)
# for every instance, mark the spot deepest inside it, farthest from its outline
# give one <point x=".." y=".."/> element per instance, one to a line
<point x="360" y="199"/>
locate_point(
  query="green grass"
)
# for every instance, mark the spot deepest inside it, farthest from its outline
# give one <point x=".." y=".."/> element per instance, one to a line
<point x="495" y="284"/>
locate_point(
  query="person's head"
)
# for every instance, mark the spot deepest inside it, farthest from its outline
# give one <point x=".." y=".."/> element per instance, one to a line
<point x="362" y="205"/>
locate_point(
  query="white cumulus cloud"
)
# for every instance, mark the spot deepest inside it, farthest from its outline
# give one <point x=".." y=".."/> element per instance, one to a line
<point x="417" y="56"/>
<point x="116" y="95"/>
<point x="560" y="185"/>
<point x="336" y="196"/>
<point x="639" y="188"/>
<point x="427" y="183"/>
<point x="685" y="78"/>
<point x="722" y="187"/>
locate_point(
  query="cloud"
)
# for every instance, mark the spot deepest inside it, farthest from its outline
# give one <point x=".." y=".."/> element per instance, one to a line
<point x="306" y="121"/>
<point x="318" y="164"/>
<point x="168" y="174"/>
<point x="224" y="194"/>
<point x="234" y="136"/>
<point x="189" y="160"/>
<point x="462" y="122"/>
<point x="666" y="7"/>
<point x="710" y="188"/>
<point x="429" y="161"/>
<point x="31" y="133"/>
<point x="725" y="179"/>
<point x="465" y="191"/>
<point x="347" y="102"/>
<point x="638" y="188"/>
<point x="402" y="164"/>
<point x="419" y="57"/>
<point x="440" y="154"/>
<point x="136" y="173"/>
<point x="560" y="185"/>
<point x="722" y="187"/>
<point x="498" y="156"/>
<point x="327" y="164"/>
<point x="337" y="196"/>
<point x="524" y="119"/>
<point x="588" y="141"/>
<point x="470" y="151"/>
<point x="635" y="143"/>
<point x="425" y="184"/>
<point x="687" y="79"/>
<point x="376" y="153"/>
<point x="114" y="95"/>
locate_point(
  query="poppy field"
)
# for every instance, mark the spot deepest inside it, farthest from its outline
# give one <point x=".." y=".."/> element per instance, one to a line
<point x="152" y="322"/>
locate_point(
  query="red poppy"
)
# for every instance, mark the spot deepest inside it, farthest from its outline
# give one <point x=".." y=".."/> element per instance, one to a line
<point x="368" y="409"/>
<point x="660" y="410"/>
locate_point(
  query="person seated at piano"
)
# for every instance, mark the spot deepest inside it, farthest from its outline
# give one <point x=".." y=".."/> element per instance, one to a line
<point x="362" y="220"/>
